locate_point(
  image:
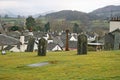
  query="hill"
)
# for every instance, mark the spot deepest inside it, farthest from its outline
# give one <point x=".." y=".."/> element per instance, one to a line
<point x="86" y="21"/>
<point x="101" y="13"/>
<point x="71" y="15"/>
<point x="107" y="11"/>
<point x="7" y="12"/>
<point x="103" y="65"/>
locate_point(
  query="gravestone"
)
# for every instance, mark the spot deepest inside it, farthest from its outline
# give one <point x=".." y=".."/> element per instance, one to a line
<point x="42" y="46"/>
<point x="30" y="46"/>
<point x="82" y="44"/>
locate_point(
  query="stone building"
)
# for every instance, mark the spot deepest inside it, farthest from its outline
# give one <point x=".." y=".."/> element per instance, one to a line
<point x="112" y="39"/>
<point x="114" y="23"/>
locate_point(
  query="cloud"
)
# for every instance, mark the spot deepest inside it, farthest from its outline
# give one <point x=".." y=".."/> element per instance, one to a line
<point x="7" y="3"/>
<point x="39" y="6"/>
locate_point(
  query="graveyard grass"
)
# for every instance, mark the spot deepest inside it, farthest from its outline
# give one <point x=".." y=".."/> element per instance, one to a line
<point x="103" y="65"/>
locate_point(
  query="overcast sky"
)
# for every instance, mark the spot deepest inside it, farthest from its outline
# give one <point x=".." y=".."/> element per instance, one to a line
<point x="41" y="6"/>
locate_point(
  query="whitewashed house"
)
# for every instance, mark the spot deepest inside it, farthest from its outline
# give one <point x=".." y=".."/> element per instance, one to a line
<point x="15" y="49"/>
<point x="73" y="38"/>
<point x="54" y="47"/>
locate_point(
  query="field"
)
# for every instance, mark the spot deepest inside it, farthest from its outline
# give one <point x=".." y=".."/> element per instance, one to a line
<point x="103" y="65"/>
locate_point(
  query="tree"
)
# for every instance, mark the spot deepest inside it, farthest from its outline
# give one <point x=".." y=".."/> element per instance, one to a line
<point x="47" y="27"/>
<point x="39" y="25"/>
<point x="18" y="16"/>
<point x="6" y="16"/>
<point x="30" y="23"/>
<point x="75" y="28"/>
<point x="14" y="28"/>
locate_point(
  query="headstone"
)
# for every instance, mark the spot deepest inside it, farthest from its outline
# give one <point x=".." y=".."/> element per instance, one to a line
<point x="82" y="44"/>
<point x="30" y="46"/>
<point x="42" y="46"/>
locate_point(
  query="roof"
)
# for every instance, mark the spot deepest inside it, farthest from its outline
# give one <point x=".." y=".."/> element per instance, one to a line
<point x="8" y="47"/>
<point x="73" y="38"/>
<point x="116" y="18"/>
<point x="57" y="40"/>
<point x="1" y="30"/>
<point x="7" y="40"/>
<point x="15" y="34"/>
<point x="95" y="44"/>
<point x="50" y="46"/>
<point x="116" y="30"/>
<point x="73" y="44"/>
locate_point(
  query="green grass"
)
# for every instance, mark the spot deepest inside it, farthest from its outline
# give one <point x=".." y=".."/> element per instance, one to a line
<point x="104" y="65"/>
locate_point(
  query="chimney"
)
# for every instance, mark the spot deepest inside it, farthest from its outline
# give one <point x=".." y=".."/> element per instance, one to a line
<point x="22" y="46"/>
<point x="22" y="38"/>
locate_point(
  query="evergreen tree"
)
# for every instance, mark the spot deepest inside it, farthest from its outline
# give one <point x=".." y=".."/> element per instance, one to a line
<point x="75" y="28"/>
<point x="14" y="28"/>
<point x="30" y="23"/>
<point x="47" y="27"/>
<point x="6" y="16"/>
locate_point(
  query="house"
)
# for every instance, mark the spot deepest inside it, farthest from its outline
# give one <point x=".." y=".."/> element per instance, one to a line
<point x="54" y="47"/>
<point x="73" y="38"/>
<point x="1" y="30"/>
<point x="112" y="39"/>
<point x="12" y="48"/>
<point x="58" y="40"/>
<point x="114" y="23"/>
<point x="95" y="46"/>
<point x="7" y="40"/>
<point x="73" y="45"/>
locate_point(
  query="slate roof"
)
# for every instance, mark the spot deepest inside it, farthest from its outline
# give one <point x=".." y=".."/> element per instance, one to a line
<point x="73" y="44"/>
<point x="57" y="40"/>
<point x="1" y="30"/>
<point x="15" y="34"/>
<point x="63" y="36"/>
<point x="116" y="30"/>
<point x="7" y="40"/>
<point x="50" y="46"/>
<point x="38" y="34"/>
<point x="8" y="47"/>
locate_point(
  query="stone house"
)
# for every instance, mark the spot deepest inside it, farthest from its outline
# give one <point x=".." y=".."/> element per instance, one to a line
<point x="112" y="39"/>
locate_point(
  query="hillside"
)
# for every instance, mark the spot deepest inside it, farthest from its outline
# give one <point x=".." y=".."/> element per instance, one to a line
<point x="101" y="13"/>
<point x="71" y="15"/>
<point x="103" y="65"/>
<point x="93" y="21"/>
<point x="7" y="12"/>
<point x="107" y="11"/>
<point x="86" y="21"/>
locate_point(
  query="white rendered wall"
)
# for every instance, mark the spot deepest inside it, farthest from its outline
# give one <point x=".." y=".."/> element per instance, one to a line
<point x="56" y="48"/>
<point x="22" y="39"/>
<point x="114" y="25"/>
<point x="22" y="46"/>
